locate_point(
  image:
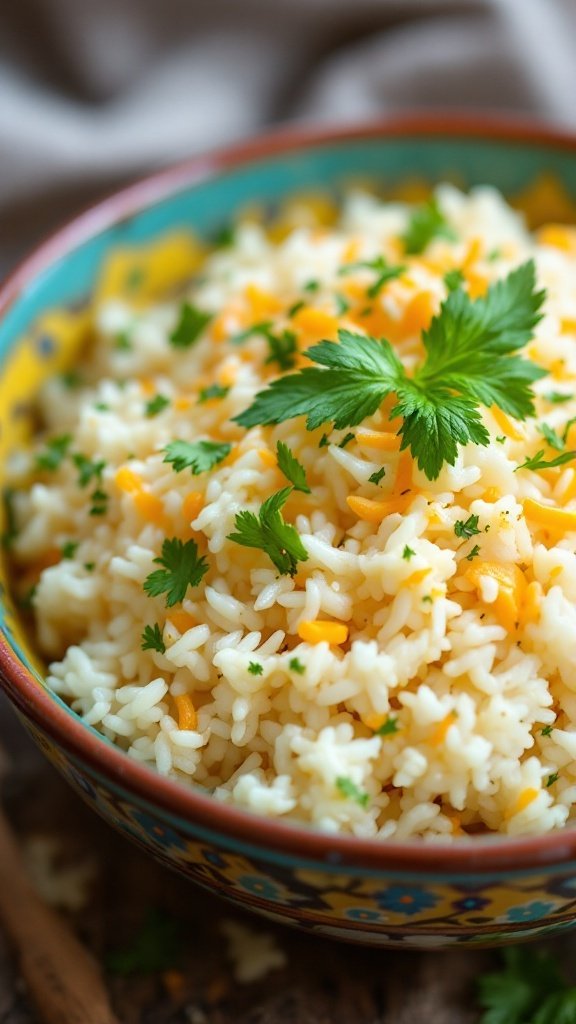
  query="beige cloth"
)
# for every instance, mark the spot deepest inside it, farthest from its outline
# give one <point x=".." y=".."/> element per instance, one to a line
<point x="95" y="91"/>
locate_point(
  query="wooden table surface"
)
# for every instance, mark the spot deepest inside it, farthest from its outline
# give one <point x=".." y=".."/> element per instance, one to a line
<point x="321" y="983"/>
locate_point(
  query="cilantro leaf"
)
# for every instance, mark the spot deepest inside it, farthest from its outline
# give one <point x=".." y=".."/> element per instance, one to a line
<point x="473" y="553"/>
<point x="198" y="456"/>
<point x="181" y="568"/>
<point x="557" y="397"/>
<point x="69" y="548"/>
<point x="295" y="665"/>
<point x="255" y="668"/>
<point x="152" y="639"/>
<point x="525" y="990"/>
<point x="389" y="727"/>
<point x="191" y="322"/>
<point x="376" y="477"/>
<point x="385" y="272"/>
<point x="156" y="405"/>
<point x="538" y="461"/>
<point x="261" y="328"/>
<point x="351" y="791"/>
<point x="54" y="452"/>
<point x="213" y="391"/>
<point x="283" y="348"/>
<point x="468" y="528"/>
<point x="550" y="435"/>
<point x="270" y="533"/>
<point x="293" y="470"/>
<point x="88" y="469"/>
<point x="547" y="730"/>
<point x="453" y="279"/>
<point x="426" y="223"/>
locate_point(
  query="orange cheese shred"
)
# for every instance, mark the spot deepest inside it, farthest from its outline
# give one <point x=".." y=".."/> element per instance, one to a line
<point x="523" y="800"/>
<point x="127" y="480"/>
<point x="150" y="507"/>
<point x="192" y="505"/>
<point x="375" y="511"/>
<point x="182" y="620"/>
<point x="314" y="631"/>
<point x="268" y="458"/>
<point x="439" y="732"/>
<point x="383" y="440"/>
<point x="549" y="516"/>
<point x="511" y="590"/>
<point x="187" y="717"/>
<point x="507" y="425"/>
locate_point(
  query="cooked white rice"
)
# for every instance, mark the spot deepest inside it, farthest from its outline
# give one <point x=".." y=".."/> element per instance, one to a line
<point x="429" y="646"/>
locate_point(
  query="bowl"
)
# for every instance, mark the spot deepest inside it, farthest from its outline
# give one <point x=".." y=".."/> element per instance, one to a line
<point x="483" y="891"/>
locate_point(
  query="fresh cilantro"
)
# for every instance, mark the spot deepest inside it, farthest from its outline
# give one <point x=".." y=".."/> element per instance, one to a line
<point x="198" y="456"/>
<point x="261" y="329"/>
<point x="426" y="223"/>
<point x="529" y="989"/>
<point x="324" y="441"/>
<point x="102" y="406"/>
<point x="453" y="279"/>
<point x="255" y="668"/>
<point x="54" y="452"/>
<point x="552" y="779"/>
<point x="295" y="308"/>
<point x="470" y="362"/>
<point x="283" y="349"/>
<point x="550" y="435"/>
<point x="466" y="529"/>
<point x="427" y="599"/>
<point x="384" y="272"/>
<point x="376" y="477"/>
<point x="494" y="255"/>
<point x="269" y="532"/>
<point x="295" y="665"/>
<point x="89" y="566"/>
<point x="88" y="469"/>
<point x="156" y="947"/>
<point x="191" y="322"/>
<point x="558" y="397"/>
<point x="292" y="469"/>
<point x="547" y="730"/>
<point x="69" y="548"/>
<point x="407" y="553"/>
<point x="501" y="439"/>
<point x="311" y="286"/>
<point x="152" y="639"/>
<point x="389" y="727"/>
<point x="181" y="568"/>
<point x="122" y="342"/>
<point x="156" y="405"/>
<point x="346" y="440"/>
<point x="71" y="379"/>
<point x="351" y="791"/>
<point x="225" y="237"/>
<point x="473" y="553"/>
<point x="342" y="305"/>
<point x="99" y="501"/>
<point x="213" y="391"/>
<point x="537" y="461"/>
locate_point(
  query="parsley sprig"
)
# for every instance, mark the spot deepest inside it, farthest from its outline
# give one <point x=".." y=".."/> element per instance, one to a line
<point x="198" y="456"/>
<point x="471" y="361"/>
<point x="181" y="568"/>
<point x="426" y="223"/>
<point x="269" y="532"/>
<point x="292" y="469"/>
<point x="189" y="326"/>
<point x="529" y="989"/>
<point x="385" y="272"/>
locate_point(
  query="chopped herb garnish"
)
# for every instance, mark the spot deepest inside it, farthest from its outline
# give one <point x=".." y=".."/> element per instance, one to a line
<point x="89" y="566"/>
<point x="155" y="948"/>
<point x="54" y="452"/>
<point x="198" y="456"/>
<point x="473" y="553"/>
<point x="342" y="304"/>
<point x="270" y="533"/>
<point x="467" y="529"/>
<point x="494" y="255"/>
<point x="528" y="989"/>
<point x="389" y="727"/>
<point x="407" y="553"/>
<point x="346" y="440"/>
<point x="255" y="668"/>
<point x="470" y="361"/>
<point x="224" y="238"/>
<point x="311" y="286"/>
<point x="558" y="397"/>
<point x="292" y="469"/>
<point x="453" y="279"/>
<point x="102" y="406"/>
<point x="99" y="501"/>
<point x="546" y="731"/>
<point x="190" y="325"/>
<point x="351" y="791"/>
<point x="213" y="391"/>
<point x="88" y="469"/>
<point x="324" y="441"/>
<point x="538" y="461"/>
<point x="152" y="639"/>
<point x="550" y="435"/>
<point x="69" y="549"/>
<point x="427" y="599"/>
<point x="283" y="349"/>
<point x="376" y="477"/>
<point x="552" y="779"/>
<point x="501" y="439"/>
<point x="385" y="272"/>
<point x="296" y="308"/>
<point x="181" y="568"/>
<point x="295" y="665"/>
<point x="71" y="379"/>
<point x="122" y="342"/>
<point x="261" y="328"/>
<point x="156" y="405"/>
<point x="426" y="223"/>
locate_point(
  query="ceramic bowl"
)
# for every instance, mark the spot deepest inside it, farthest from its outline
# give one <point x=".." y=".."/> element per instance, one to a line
<point x="487" y="891"/>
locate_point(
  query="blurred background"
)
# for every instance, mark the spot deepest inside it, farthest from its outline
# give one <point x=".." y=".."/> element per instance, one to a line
<point x="94" y="92"/>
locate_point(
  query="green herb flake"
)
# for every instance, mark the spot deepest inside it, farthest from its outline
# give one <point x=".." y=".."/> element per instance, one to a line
<point x="351" y="791"/>
<point x="156" y="947"/>
<point x="255" y="668"/>
<point x="547" y="730"/>
<point x="99" y="501"/>
<point x="346" y="440"/>
<point x="473" y="553"/>
<point x="283" y="349"/>
<point x="271" y="534"/>
<point x="88" y="469"/>
<point x="295" y="308"/>
<point x="558" y="397"/>
<point x="69" y="548"/>
<point x="292" y="469"/>
<point x="550" y="435"/>
<point x="537" y="461"/>
<point x="342" y="305"/>
<point x="213" y="391"/>
<point x="156" y="405"/>
<point x="71" y="379"/>
<point x="101" y="406"/>
<point x="122" y="342"/>
<point x="528" y="989"/>
<point x="259" y="329"/>
<point x="470" y="362"/>
<point x="407" y="553"/>
<point x="467" y="529"/>
<point x="225" y="237"/>
<point x="89" y="566"/>
<point x="426" y="223"/>
<point x="54" y="453"/>
<point x="453" y="279"/>
<point x="388" y="728"/>
<point x="552" y="779"/>
<point x="198" y="456"/>
<point x="324" y="441"/>
<point x="181" y="568"/>
<point x="190" y="325"/>
<point x="311" y="286"/>
<point x="384" y="272"/>
<point x="295" y="665"/>
<point x="501" y="439"/>
<point x="376" y="477"/>
<point x="152" y="639"/>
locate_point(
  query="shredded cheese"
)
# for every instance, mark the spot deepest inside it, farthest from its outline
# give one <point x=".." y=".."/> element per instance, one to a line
<point x="315" y="631"/>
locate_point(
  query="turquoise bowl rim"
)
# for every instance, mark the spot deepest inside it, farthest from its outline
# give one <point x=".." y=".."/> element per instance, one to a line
<point x="67" y="731"/>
